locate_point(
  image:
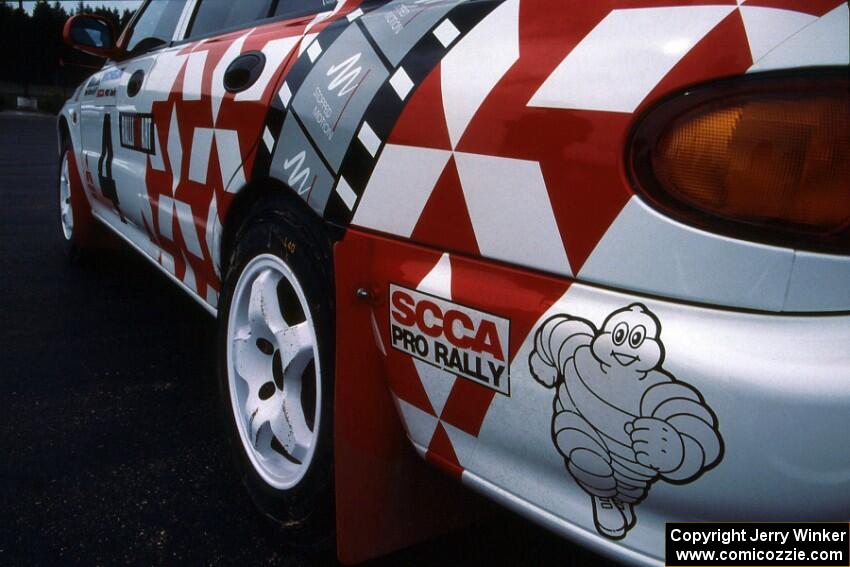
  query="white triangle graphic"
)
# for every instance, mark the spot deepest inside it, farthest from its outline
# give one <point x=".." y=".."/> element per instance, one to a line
<point x="823" y="42"/>
<point x="463" y="444"/>
<point x="175" y="150"/>
<point x="420" y="425"/>
<point x="437" y="383"/>
<point x="439" y="280"/>
<point x="768" y="27"/>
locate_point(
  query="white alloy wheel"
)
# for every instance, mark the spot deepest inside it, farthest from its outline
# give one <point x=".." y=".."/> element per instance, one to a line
<point x="65" y="208"/>
<point x="274" y="375"/>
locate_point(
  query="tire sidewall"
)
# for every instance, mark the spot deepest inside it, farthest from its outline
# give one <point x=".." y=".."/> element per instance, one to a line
<point x="307" y="508"/>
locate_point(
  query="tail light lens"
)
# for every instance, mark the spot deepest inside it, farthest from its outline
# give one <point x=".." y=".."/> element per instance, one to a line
<point x="764" y="158"/>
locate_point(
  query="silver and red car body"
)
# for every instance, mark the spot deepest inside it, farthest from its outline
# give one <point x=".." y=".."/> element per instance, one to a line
<point x="473" y="151"/>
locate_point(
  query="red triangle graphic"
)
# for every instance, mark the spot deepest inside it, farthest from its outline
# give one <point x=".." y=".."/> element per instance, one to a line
<point x="405" y="383"/>
<point x="444" y="222"/>
<point x="724" y="47"/>
<point x="423" y="121"/>
<point x="467" y="406"/>
<point x="441" y="453"/>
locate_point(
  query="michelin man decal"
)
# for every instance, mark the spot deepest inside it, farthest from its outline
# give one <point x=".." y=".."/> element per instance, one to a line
<point x="620" y="421"/>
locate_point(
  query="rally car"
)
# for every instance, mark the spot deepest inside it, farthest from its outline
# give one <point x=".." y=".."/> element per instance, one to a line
<point x="589" y="259"/>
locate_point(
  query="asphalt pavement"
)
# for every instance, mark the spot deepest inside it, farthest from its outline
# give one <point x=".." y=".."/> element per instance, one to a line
<point x="112" y="451"/>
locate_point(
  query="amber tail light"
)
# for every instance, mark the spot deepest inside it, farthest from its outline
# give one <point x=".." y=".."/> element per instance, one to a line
<point x="765" y="158"/>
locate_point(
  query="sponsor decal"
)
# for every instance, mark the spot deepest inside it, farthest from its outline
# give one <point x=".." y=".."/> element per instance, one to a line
<point x="92" y="85"/>
<point x="345" y="76"/>
<point x="395" y="17"/>
<point x="335" y="93"/>
<point x="97" y="80"/>
<point x="299" y="174"/>
<point x="137" y="132"/>
<point x="297" y="163"/>
<point x="339" y="86"/>
<point x="322" y="112"/>
<point x="112" y="75"/>
<point x="399" y="25"/>
<point x="458" y="339"/>
<point x="621" y="421"/>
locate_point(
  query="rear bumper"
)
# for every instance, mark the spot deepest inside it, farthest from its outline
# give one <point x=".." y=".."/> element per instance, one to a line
<point x="779" y="387"/>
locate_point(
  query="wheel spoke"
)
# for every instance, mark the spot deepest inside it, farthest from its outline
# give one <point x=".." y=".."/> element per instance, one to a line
<point x="293" y="412"/>
<point x="252" y="366"/>
<point x="263" y="441"/>
<point x="299" y="451"/>
<point x="263" y="307"/>
<point x="296" y="348"/>
<point x="283" y="432"/>
<point x="262" y="413"/>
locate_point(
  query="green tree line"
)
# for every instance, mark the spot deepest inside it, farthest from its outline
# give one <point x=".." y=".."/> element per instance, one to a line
<point x="32" y="47"/>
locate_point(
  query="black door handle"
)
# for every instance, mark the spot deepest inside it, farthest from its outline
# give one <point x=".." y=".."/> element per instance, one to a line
<point x="244" y="71"/>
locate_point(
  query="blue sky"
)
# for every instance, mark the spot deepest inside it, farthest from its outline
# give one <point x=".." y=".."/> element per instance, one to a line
<point x="72" y="4"/>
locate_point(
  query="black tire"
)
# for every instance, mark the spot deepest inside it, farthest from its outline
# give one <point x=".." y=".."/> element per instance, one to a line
<point x="281" y="226"/>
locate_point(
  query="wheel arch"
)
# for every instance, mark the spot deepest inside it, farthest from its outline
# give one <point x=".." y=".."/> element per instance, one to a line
<point x="254" y="192"/>
<point x="63" y="131"/>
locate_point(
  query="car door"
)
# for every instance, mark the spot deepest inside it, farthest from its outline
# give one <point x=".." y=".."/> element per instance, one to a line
<point x="97" y="103"/>
<point x="118" y="134"/>
<point x="145" y="79"/>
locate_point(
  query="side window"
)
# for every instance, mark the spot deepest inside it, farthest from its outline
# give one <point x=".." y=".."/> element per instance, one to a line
<point x="215" y="15"/>
<point x="155" y="26"/>
<point x="297" y="8"/>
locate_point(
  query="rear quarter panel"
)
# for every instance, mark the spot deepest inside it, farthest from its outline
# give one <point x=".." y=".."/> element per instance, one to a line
<point x="500" y="186"/>
<point x="501" y="133"/>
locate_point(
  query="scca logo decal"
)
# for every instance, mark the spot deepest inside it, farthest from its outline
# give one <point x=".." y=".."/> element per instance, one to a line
<point x="461" y="340"/>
